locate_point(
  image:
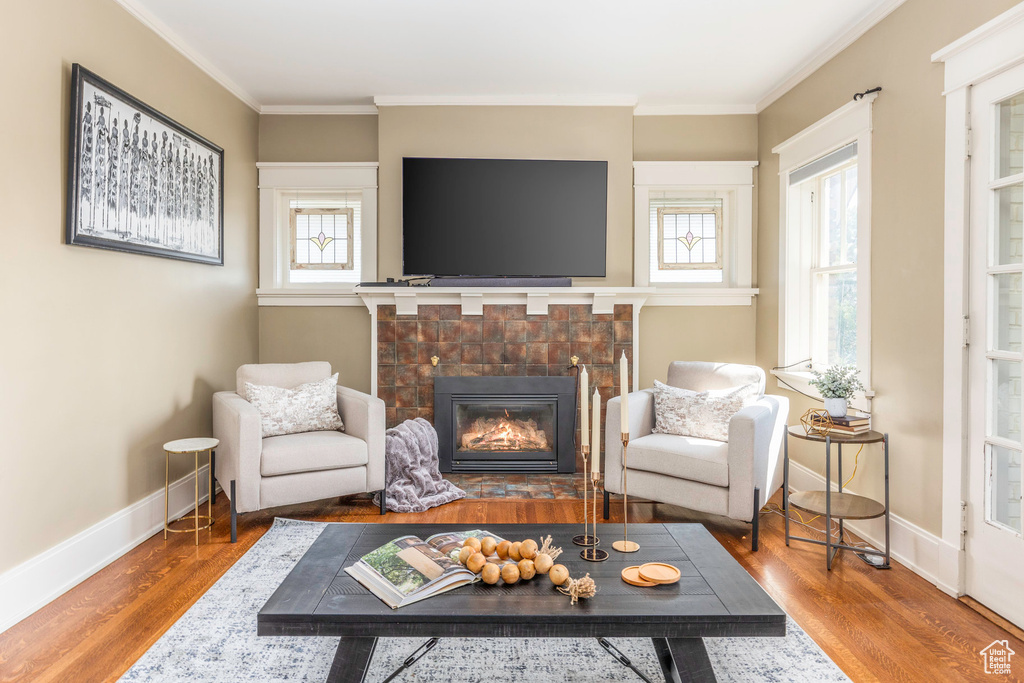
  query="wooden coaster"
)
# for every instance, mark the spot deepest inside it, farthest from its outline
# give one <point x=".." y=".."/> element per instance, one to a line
<point x="631" y="575"/>
<point x="659" y="572"/>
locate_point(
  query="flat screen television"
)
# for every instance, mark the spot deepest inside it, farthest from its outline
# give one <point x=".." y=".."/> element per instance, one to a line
<point x="504" y="217"/>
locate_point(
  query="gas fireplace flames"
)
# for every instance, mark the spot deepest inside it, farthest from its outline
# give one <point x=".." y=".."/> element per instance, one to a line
<point x="506" y="433"/>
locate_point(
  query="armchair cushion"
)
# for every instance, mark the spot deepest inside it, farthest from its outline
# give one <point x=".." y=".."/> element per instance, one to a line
<point x="310" y="407"/>
<point x="685" y="413"/>
<point x="311" y="452"/>
<point x="683" y="457"/>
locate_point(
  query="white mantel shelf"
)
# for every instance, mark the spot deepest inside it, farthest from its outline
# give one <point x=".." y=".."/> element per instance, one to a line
<point x="472" y="299"/>
<point x="537" y="299"/>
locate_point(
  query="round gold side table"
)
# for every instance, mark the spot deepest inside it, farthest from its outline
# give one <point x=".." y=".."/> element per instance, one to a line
<point x="185" y="446"/>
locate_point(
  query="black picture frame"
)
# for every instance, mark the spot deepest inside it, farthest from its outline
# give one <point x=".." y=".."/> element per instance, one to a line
<point x="135" y="195"/>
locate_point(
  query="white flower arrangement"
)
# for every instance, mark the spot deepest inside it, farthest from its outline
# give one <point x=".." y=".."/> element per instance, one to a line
<point x="838" y="381"/>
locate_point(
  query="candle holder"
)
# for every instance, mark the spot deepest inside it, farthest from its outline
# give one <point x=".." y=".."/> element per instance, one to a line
<point x="593" y="554"/>
<point x="625" y="545"/>
<point x="585" y="539"/>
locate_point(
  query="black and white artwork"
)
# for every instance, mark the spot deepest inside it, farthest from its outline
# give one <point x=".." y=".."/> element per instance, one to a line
<point x="139" y="181"/>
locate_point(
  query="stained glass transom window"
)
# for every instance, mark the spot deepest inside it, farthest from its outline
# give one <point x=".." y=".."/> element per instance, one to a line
<point x="322" y="239"/>
<point x="690" y="237"/>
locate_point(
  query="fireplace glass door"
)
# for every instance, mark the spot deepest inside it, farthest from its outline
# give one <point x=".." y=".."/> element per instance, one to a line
<point x="502" y="429"/>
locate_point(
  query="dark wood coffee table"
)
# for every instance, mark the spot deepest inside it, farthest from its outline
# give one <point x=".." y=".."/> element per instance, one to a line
<point x="714" y="598"/>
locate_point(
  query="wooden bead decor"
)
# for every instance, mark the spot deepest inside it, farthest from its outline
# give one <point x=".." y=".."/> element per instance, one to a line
<point x="523" y="560"/>
<point x="513" y="551"/>
<point x="816" y="422"/>
<point x="490" y="573"/>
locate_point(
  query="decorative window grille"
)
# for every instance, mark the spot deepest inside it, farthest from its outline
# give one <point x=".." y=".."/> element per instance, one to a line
<point x="689" y="237"/>
<point x="322" y="238"/>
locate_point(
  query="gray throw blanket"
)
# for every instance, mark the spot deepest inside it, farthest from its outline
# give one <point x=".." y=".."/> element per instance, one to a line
<point x="413" y="481"/>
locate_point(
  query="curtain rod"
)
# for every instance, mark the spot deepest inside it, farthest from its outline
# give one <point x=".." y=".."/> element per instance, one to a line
<point x="860" y="95"/>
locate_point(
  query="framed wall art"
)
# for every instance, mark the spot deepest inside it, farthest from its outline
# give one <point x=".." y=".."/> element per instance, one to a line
<point x="139" y="181"/>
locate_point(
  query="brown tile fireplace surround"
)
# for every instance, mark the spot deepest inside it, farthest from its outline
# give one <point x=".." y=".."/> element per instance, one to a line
<point x="504" y="341"/>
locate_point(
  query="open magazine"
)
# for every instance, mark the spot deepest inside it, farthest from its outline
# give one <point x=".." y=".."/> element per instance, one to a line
<point x="409" y="569"/>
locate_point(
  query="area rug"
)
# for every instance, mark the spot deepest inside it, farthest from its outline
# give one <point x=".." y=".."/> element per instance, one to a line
<point x="216" y="642"/>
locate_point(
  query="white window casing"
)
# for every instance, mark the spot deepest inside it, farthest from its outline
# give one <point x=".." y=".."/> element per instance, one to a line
<point x="987" y="51"/>
<point x="727" y="183"/>
<point x="352" y="187"/>
<point x="848" y="125"/>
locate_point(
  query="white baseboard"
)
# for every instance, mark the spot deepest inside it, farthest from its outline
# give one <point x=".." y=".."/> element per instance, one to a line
<point x="909" y="544"/>
<point x="34" y="583"/>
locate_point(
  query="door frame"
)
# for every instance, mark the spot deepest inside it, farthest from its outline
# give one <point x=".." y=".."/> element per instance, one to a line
<point x="983" y="53"/>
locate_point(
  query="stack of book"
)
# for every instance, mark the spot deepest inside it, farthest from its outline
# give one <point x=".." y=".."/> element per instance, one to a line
<point x="853" y="423"/>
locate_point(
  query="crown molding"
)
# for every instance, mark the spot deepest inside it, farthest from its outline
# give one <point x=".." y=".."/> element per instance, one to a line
<point x="981" y="34"/>
<point x="320" y="109"/>
<point x="823" y="56"/>
<point x="505" y="100"/>
<point x="693" y="109"/>
<point x="164" y="31"/>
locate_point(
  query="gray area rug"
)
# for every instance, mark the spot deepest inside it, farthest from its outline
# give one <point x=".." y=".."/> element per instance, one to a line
<point x="216" y="641"/>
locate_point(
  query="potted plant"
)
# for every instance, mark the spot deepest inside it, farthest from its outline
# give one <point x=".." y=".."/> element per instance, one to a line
<point x="837" y="385"/>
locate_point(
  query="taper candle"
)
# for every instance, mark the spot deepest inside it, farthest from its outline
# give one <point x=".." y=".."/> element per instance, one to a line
<point x="584" y="407"/>
<point x="595" y="450"/>
<point x="624" y="388"/>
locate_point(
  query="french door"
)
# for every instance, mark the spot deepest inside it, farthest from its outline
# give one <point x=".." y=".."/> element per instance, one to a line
<point x="995" y="536"/>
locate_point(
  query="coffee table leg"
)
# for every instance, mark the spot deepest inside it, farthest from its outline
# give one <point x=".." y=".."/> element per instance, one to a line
<point x="684" y="660"/>
<point x="352" y="660"/>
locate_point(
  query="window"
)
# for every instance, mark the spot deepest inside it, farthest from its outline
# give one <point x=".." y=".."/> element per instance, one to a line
<point x="825" y="275"/>
<point x="832" y="274"/>
<point x="323" y="237"/>
<point x="694" y="223"/>
<point x="687" y="236"/>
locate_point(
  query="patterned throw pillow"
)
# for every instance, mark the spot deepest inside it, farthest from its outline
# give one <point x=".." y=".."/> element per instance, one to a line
<point x="688" y="413"/>
<point x="310" y="407"/>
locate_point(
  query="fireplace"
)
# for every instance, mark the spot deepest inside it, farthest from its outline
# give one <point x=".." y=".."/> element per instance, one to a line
<point x="505" y="424"/>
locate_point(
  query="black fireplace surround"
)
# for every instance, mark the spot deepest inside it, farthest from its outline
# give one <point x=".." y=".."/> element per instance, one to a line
<point x="505" y="424"/>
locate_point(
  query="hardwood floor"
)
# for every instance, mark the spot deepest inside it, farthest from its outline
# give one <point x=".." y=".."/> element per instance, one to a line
<point x="876" y="625"/>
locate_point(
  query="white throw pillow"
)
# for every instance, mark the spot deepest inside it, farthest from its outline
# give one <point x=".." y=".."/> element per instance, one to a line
<point x="688" y="413"/>
<point x="310" y="407"/>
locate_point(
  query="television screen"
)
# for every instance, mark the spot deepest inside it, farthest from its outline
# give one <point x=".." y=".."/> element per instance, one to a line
<point x="504" y="217"/>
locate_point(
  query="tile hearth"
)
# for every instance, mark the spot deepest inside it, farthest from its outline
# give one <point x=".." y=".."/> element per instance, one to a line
<point x="539" y="486"/>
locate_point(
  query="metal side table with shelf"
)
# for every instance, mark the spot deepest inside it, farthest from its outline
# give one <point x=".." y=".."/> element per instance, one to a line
<point x="837" y="504"/>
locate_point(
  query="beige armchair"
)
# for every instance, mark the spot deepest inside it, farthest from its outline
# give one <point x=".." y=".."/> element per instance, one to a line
<point x="733" y="479"/>
<point x="295" y="468"/>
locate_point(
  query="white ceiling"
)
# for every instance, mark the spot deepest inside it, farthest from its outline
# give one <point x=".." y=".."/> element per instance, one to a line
<point x="724" y="55"/>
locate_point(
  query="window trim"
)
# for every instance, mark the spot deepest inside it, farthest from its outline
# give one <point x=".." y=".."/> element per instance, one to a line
<point x="848" y="124"/>
<point x="279" y="179"/>
<point x="733" y="177"/>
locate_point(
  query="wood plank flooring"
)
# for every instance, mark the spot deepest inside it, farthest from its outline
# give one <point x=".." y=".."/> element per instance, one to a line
<point x="876" y="625"/>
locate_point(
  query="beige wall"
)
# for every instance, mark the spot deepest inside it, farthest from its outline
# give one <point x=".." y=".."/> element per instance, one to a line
<point x="593" y="133"/>
<point x="106" y="355"/>
<point x="342" y="334"/>
<point x="906" y="249"/>
<point x="695" y="138"/>
<point x="316" y="137"/>
<point x="723" y="334"/>
<point x="337" y="334"/>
